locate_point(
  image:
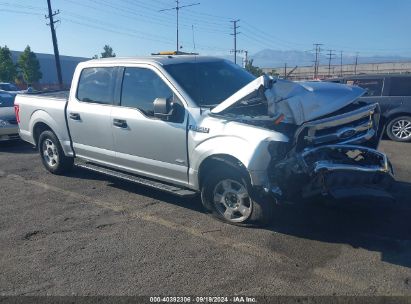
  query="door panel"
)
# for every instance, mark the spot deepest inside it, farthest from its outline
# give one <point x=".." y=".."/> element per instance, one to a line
<point x="91" y="133"/>
<point x="145" y="144"/>
<point x="149" y="146"/>
<point x="89" y="114"/>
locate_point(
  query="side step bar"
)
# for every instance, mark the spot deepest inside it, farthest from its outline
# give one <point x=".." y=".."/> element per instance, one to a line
<point x="176" y="190"/>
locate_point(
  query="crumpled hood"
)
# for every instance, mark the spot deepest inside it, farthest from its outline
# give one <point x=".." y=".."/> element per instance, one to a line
<point x="297" y="101"/>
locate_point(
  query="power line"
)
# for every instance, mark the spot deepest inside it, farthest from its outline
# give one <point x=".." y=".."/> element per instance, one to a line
<point x="177" y="8"/>
<point x="54" y="38"/>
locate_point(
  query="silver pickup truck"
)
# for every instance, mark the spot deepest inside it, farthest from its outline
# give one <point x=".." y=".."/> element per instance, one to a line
<point x="193" y="124"/>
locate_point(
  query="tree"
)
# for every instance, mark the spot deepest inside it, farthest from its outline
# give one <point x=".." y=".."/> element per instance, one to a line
<point x="273" y="73"/>
<point x="108" y="52"/>
<point x="29" y="66"/>
<point x="8" y="71"/>
<point x="256" y="71"/>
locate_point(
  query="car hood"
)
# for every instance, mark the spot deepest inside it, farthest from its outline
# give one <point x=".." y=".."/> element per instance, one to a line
<point x="298" y="102"/>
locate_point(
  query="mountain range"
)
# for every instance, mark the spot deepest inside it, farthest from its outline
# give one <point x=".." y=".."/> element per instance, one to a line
<point x="276" y="58"/>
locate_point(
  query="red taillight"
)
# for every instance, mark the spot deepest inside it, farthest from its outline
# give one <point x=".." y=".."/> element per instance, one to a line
<point x="17" y="111"/>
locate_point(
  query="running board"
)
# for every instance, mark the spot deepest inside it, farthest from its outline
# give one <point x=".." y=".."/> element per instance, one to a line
<point x="137" y="180"/>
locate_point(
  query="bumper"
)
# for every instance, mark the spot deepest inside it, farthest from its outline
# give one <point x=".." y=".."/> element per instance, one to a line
<point x="9" y="133"/>
<point x="340" y="171"/>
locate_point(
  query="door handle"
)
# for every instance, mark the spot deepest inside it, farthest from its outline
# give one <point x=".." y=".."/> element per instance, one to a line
<point x="74" y="116"/>
<point x="121" y="123"/>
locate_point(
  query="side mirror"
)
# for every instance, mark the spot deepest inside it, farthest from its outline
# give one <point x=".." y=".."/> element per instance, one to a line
<point x="163" y="108"/>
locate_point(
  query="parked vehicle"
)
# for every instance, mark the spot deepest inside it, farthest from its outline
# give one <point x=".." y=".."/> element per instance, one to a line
<point x="393" y="93"/>
<point x="8" y="122"/>
<point x="10" y="88"/>
<point x="193" y="124"/>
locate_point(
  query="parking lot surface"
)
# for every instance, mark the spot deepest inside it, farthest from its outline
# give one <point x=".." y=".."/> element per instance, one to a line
<point x="87" y="234"/>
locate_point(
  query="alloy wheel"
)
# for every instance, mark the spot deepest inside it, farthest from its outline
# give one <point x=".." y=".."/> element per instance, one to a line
<point x="402" y="129"/>
<point x="232" y="201"/>
<point x="50" y="153"/>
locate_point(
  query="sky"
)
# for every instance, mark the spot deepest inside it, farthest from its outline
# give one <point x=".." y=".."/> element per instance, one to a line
<point x="136" y="27"/>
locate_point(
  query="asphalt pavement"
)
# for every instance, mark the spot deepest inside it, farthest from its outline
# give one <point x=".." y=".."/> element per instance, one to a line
<point x="87" y="234"/>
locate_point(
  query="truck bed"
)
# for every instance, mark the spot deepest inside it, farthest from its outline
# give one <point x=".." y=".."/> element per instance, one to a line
<point x="50" y="95"/>
<point x="48" y="108"/>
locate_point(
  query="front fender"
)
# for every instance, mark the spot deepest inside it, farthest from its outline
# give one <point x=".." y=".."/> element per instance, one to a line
<point x="397" y="111"/>
<point x="254" y="156"/>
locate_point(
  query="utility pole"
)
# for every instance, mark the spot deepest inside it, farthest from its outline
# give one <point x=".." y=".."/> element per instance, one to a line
<point x="330" y="57"/>
<point x="356" y="62"/>
<point x="235" y="33"/>
<point x="55" y="46"/>
<point x="285" y="70"/>
<point x="245" y="60"/>
<point x="177" y="8"/>
<point x="341" y="72"/>
<point x="317" y="58"/>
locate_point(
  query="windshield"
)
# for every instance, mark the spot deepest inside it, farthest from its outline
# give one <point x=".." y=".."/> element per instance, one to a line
<point x="8" y="87"/>
<point x="209" y="83"/>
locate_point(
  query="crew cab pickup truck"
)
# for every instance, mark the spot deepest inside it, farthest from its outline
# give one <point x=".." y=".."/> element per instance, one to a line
<point x="194" y="124"/>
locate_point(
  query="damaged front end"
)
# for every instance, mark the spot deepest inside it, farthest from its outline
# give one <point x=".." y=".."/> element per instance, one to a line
<point x="338" y="171"/>
<point x="335" y="156"/>
<point x="333" y="137"/>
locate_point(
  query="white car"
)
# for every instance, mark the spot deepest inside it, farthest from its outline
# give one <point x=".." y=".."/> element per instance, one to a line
<point x="8" y="124"/>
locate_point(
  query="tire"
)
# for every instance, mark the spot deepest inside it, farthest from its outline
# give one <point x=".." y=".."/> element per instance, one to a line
<point x="52" y="154"/>
<point x="399" y="129"/>
<point x="227" y="194"/>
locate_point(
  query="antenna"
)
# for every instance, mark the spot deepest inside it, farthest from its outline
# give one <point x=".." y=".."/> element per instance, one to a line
<point x="177" y="8"/>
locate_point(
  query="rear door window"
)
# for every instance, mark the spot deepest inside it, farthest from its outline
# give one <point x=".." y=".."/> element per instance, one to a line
<point x="400" y="86"/>
<point x="373" y="86"/>
<point x="96" y="85"/>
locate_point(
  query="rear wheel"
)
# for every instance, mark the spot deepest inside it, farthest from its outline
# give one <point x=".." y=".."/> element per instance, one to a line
<point x="228" y="195"/>
<point x="399" y="129"/>
<point x="52" y="154"/>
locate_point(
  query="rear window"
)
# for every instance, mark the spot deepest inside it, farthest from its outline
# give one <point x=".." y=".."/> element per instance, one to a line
<point x="6" y="100"/>
<point x="373" y="86"/>
<point x="96" y="85"/>
<point x="400" y="86"/>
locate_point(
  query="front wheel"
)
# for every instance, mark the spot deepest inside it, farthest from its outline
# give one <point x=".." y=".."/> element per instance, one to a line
<point x="52" y="154"/>
<point x="227" y="194"/>
<point x="399" y="129"/>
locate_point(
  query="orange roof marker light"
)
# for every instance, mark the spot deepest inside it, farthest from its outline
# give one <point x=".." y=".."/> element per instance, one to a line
<point x="173" y="53"/>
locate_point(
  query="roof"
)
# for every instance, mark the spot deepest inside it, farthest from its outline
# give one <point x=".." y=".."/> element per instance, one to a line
<point x="159" y="59"/>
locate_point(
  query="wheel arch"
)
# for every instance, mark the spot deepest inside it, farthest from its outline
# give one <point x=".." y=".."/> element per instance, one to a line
<point x="38" y="128"/>
<point x="211" y="161"/>
<point x="40" y="121"/>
